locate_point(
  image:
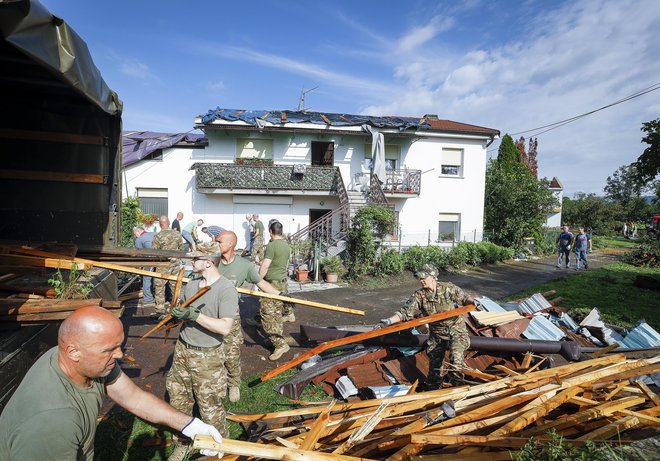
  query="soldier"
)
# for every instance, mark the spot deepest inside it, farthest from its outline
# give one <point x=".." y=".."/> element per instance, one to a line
<point x="432" y="298"/>
<point x="198" y="370"/>
<point x="166" y="239"/>
<point x="257" y="252"/>
<point x="237" y="270"/>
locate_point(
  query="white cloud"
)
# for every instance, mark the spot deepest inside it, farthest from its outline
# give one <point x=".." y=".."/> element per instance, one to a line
<point x="418" y="36"/>
<point x="215" y="86"/>
<point x="134" y="68"/>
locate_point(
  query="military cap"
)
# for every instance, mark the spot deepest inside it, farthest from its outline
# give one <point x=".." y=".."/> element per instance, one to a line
<point x="426" y="271"/>
<point x="205" y="250"/>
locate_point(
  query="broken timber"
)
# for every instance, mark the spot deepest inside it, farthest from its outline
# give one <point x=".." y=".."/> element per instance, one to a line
<point x="366" y="335"/>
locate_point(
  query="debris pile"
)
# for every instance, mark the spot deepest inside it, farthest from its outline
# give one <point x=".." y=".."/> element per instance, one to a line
<point x="588" y="400"/>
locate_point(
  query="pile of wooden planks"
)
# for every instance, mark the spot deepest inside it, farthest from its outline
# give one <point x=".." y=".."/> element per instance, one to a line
<point x="589" y="400"/>
<point x="493" y="319"/>
<point x="41" y="310"/>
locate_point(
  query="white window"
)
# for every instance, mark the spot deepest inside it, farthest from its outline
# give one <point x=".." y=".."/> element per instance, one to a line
<point x="448" y="227"/>
<point x="451" y="163"/>
<point x="254" y="148"/>
<point x="391" y="156"/>
<point x="153" y="201"/>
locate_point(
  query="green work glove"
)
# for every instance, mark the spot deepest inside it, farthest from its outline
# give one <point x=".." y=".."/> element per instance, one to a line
<point x="185" y="313"/>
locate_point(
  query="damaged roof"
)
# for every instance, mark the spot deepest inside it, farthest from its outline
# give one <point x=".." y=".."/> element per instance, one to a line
<point x="279" y="118"/>
<point x="137" y="145"/>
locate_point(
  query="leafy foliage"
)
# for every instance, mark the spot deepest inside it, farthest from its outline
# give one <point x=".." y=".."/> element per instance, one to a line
<point x="597" y="213"/>
<point x="515" y="204"/>
<point x="75" y="286"/>
<point x="332" y="265"/>
<point x="131" y="216"/>
<point x="507" y="153"/>
<point x="369" y="222"/>
<point x="648" y="164"/>
<point x="391" y="262"/>
<point x="625" y="188"/>
<point x="560" y="449"/>
<point x="647" y="254"/>
<point x="415" y="257"/>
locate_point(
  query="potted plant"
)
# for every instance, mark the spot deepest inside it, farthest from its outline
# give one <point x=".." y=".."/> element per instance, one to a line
<point x="302" y="273"/>
<point x="333" y="267"/>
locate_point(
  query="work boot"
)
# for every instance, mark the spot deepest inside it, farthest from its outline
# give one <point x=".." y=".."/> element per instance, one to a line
<point x="179" y="453"/>
<point x="234" y="394"/>
<point x="159" y="311"/>
<point x="253" y="322"/>
<point x="279" y="352"/>
<point x="289" y="318"/>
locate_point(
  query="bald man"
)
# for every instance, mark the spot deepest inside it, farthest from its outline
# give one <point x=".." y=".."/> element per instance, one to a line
<point x="237" y="270"/>
<point x="52" y="414"/>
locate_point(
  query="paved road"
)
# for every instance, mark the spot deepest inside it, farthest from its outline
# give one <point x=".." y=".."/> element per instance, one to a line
<point x="152" y="357"/>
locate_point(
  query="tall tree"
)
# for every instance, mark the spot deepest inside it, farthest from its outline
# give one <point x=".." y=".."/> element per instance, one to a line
<point x="520" y="145"/>
<point x="626" y="188"/>
<point x="516" y="203"/>
<point x="532" y="153"/>
<point x="507" y="154"/>
<point x="648" y="164"/>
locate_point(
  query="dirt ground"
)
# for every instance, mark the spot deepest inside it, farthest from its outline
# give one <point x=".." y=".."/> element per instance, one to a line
<point x="147" y="361"/>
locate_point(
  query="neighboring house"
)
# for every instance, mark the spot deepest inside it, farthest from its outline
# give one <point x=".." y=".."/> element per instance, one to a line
<point x="299" y="166"/>
<point x="553" y="217"/>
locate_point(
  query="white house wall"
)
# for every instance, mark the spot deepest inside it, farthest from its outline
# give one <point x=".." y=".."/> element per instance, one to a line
<point x="418" y="215"/>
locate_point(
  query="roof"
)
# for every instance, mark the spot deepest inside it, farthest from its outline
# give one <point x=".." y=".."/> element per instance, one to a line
<point x="139" y="144"/>
<point x="555" y="183"/>
<point x="279" y="118"/>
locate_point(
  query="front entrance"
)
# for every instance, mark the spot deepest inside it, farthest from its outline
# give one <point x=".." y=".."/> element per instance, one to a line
<point x="317" y="233"/>
<point x="323" y="153"/>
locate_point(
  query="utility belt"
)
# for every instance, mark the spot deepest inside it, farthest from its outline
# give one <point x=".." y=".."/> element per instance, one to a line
<point x="198" y="348"/>
<point x="281" y="281"/>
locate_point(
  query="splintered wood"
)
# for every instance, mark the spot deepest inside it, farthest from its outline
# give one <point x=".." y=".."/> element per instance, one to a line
<point x="588" y="400"/>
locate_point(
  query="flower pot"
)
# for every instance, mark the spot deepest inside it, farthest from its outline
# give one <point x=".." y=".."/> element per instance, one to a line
<point x="301" y="276"/>
<point x="331" y="277"/>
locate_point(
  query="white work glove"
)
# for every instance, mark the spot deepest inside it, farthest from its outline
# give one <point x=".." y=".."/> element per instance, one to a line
<point x="382" y="324"/>
<point x="197" y="426"/>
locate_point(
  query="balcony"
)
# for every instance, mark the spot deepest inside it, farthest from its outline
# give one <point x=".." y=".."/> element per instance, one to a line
<point x="219" y="178"/>
<point x="398" y="183"/>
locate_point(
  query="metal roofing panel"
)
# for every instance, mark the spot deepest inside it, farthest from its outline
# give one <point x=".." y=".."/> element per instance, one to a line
<point x="381" y="392"/>
<point x="598" y="330"/>
<point x="488" y="305"/>
<point x="512" y="329"/>
<point x="369" y="374"/>
<point x="641" y="337"/>
<point x="542" y="328"/>
<point x="533" y="304"/>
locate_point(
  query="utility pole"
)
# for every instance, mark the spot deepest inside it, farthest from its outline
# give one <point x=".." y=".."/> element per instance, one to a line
<point x="301" y="101"/>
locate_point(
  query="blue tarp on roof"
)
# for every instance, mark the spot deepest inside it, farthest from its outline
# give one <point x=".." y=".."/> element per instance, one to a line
<point x="137" y="145"/>
<point x="277" y="117"/>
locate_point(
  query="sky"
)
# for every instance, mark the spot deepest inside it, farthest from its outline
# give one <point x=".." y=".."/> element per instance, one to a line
<point x="509" y="65"/>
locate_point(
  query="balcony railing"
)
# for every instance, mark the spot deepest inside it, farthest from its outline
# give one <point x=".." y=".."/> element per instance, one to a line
<point x="275" y="177"/>
<point x="400" y="181"/>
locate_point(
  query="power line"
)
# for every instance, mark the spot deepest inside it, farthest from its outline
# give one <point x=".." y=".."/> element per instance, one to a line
<point x="555" y="125"/>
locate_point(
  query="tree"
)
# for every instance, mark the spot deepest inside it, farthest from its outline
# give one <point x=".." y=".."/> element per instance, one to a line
<point x="626" y="188"/>
<point x="508" y="154"/>
<point x="648" y="164"/>
<point x="529" y="157"/>
<point x="597" y="213"/>
<point x="516" y="203"/>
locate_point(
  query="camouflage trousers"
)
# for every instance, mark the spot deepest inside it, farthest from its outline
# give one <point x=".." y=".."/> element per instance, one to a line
<point x="233" y="342"/>
<point x="272" y="311"/>
<point x="258" y="249"/>
<point x="456" y="339"/>
<point x="198" y="377"/>
<point x="159" y="284"/>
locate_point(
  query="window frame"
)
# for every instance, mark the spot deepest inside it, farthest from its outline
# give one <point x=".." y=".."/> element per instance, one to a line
<point x="453" y="219"/>
<point x="451" y="163"/>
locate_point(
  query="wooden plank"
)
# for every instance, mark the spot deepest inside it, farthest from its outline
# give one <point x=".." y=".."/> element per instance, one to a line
<point x="317" y="428"/>
<point x="51" y="136"/>
<point x="302" y="302"/>
<point x="366" y="335"/>
<point x="480" y="375"/>
<point x="527" y="361"/>
<point x="604" y="350"/>
<point x="488" y="441"/>
<point x="648" y="392"/>
<point x="52" y="263"/>
<point x="19" y="306"/>
<point x="260" y="450"/>
<point x="55" y="176"/>
<point x="618" y="388"/>
<point x="169" y="317"/>
<point x="506" y="370"/>
<point x="176" y="294"/>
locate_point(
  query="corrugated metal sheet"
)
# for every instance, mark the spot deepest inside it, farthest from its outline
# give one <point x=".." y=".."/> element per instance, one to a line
<point x="542" y="328"/>
<point x="367" y="375"/>
<point x="641" y="337"/>
<point x="512" y="329"/>
<point x="565" y="320"/>
<point x="381" y="392"/>
<point x="597" y="330"/>
<point x="488" y="305"/>
<point x="533" y="304"/>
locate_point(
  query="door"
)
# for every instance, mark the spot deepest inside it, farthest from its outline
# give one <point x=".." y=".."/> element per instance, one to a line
<point x="324" y="232"/>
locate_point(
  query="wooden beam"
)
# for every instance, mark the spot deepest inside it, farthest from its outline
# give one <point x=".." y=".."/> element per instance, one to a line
<point x="37" y="306"/>
<point x="604" y="350"/>
<point x="489" y="441"/>
<point x="169" y="317"/>
<point x="317" y="428"/>
<point x="52" y="263"/>
<point x="55" y="176"/>
<point x="302" y="302"/>
<point x="260" y="450"/>
<point x="51" y="136"/>
<point x="366" y="335"/>
<point x="648" y="392"/>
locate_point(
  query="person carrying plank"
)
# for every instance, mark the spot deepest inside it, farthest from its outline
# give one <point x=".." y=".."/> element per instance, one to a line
<point x="450" y="334"/>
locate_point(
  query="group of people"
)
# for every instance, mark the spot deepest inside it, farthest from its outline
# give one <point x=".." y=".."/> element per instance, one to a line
<point x="54" y="409"/>
<point x="580" y="244"/>
<point x="630" y="230"/>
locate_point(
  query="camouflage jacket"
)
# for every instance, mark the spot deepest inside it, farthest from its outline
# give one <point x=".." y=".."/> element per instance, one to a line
<point x="167" y="239"/>
<point x="446" y="296"/>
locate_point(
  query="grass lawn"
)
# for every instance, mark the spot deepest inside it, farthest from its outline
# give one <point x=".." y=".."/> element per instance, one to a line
<point x="610" y="289"/>
<point x="613" y="242"/>
<point x="124" y="437"/>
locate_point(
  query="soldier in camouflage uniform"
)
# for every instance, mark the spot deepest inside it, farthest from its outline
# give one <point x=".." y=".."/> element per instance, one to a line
<point x="237" y="270"/>
<point x="450" y="334"/>
<point x="258" y="248"/>
<point x="198" y="373"/>
<point x="166" y="239"/>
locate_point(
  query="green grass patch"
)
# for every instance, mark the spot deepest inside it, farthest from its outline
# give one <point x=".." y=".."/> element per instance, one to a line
<point x="613" y="242"/>
<point x="124" y="437"/>
<point x="610" y="289"/>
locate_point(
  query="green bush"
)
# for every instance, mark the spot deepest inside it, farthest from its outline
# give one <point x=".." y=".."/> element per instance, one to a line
<point x="391" y="263"/>
<point x="415" y="257"/>
<point x="361" y="247"/>
<point x="130" y="217"/>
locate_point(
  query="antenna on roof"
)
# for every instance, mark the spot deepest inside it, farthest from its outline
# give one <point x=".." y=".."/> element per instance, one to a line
<point x="301" y="102"/>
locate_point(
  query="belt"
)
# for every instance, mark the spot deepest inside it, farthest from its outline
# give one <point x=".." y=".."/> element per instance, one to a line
<point x="198" y="348"/>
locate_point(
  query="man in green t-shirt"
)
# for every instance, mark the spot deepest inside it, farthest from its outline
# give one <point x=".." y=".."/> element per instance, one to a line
<point x="238" y="270"/>
<point x="257" y="254"/>
<point x="52" y="414"/>
<point x="274" y="270"/>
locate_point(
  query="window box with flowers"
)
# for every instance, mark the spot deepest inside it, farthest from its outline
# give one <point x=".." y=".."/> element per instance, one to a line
<point x="254" y="161"/>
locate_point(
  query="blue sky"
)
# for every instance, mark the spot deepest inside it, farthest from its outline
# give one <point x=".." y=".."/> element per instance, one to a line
<point x="509" y="65"/>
